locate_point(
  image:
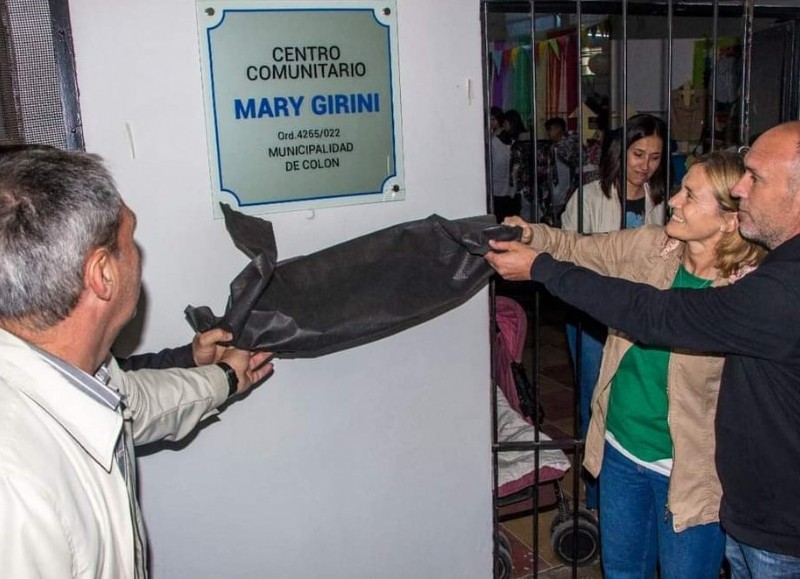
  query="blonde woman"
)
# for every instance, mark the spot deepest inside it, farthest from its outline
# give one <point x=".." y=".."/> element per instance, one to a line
<point x="652" y="428"/>
<point x="643" y="146"/>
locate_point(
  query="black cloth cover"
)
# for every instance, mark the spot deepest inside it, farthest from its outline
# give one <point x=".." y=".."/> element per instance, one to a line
<point x="352" y="293"/>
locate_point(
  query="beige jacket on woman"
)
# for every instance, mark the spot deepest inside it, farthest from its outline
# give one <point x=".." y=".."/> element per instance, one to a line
<point x="602" y="214"/>
<point x="646" y="255"/>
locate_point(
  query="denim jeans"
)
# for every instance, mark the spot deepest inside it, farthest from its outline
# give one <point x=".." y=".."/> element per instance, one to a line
<point x="636" y="532"/>
<point x="751" y="563"/>
<point x="593" y="338"/>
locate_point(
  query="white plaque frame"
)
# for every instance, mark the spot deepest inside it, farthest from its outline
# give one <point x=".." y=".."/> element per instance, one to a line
<point x="302" y="103"/>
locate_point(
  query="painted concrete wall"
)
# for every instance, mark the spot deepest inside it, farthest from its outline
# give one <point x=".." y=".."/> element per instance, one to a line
<point x="646" y="90"/>
<point x="373" y="462"/>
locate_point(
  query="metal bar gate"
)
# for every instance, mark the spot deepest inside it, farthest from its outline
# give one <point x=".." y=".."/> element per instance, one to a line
<point x="742" y="57"/>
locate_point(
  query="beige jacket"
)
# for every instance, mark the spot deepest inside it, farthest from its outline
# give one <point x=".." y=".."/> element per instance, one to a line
<point x="64" y="504"/>
<point x="602" y="214"/>
<point x="643" y="255"/>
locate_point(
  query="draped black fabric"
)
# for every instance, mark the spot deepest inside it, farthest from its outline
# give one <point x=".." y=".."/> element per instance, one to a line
<point x="352" y="293"/>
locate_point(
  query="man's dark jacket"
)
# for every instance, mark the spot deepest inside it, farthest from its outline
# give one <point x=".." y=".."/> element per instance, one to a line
<point x="756" y="324"/>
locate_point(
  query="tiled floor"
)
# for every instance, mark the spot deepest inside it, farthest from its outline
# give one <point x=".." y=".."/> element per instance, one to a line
<point x="558" y="401"/>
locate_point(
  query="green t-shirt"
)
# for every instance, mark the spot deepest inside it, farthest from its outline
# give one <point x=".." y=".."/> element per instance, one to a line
<point x="637" y="408"/>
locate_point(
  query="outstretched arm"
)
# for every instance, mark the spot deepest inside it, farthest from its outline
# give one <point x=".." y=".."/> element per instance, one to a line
<point x="748" y="318"/>
<point x="167" y="404"/>
<point x="206" y="348"/>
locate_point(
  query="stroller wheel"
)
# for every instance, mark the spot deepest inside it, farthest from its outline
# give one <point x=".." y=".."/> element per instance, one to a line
<point x="583" y="513"/>
<point x="502" y="556"/>
<point x="585" y="537"/>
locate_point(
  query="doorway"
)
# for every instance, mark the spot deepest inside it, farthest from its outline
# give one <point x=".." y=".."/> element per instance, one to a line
<point x="717" y="73"/>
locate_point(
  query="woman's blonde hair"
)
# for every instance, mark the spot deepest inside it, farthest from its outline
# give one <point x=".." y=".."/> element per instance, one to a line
<point x="733" y="252"/>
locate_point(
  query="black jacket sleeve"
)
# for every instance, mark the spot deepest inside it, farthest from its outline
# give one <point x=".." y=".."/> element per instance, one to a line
<point x="167" y="358"/>
<point x="758" y="316"/>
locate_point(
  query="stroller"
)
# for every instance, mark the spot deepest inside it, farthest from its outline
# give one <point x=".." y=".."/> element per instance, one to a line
<point x="518" y="416"/>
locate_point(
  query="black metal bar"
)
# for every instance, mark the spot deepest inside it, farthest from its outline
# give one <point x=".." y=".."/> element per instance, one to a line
<point x="534" y="128"/>
<point x="559" y="444"/>
<point x="747" y="54"/>
<point x="793" y="104"/>
<point x="492" y="309"/>
<point x="668" y="120"/>
<point x="623" y="184"/>
<point x="766" y="8"/>
<point x="64" y="54"/>
<point x="790" y="87"/>
<point x="714" y="55"/>
<point x="578" y="454"/>
<point x="533" y="325"/>
<point x="534" y="134"/>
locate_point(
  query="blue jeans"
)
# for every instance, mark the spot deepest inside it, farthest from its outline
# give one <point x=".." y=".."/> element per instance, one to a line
<point x="593" y="338"/>
<point x="751" y="563"/>
<point x="636" y="532"/>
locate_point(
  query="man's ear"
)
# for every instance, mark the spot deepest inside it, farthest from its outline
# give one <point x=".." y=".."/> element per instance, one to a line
<point x="99" y="273"/>
<point x="730" y="222"/>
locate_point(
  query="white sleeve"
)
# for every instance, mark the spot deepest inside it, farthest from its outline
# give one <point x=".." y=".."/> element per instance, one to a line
<point x="168" y="404"/>
<point x="569" y="218"/>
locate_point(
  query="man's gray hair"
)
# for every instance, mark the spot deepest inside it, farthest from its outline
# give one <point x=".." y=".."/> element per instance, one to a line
<point x="55" y="208"/>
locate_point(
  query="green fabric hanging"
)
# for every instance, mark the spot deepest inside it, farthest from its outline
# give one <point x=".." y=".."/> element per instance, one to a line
<point x="522" y="82"/>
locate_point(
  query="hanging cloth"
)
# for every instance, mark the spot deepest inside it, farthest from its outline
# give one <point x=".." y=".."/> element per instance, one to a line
<point x="523" y="65"/>
<point x="354" y="292"/>
<point x="562" y="81"/>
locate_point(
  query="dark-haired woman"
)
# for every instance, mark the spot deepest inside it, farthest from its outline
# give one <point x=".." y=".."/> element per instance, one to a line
<point x="645" y="177"/>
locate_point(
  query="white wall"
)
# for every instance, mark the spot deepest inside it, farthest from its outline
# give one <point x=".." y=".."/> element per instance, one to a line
<point x="373" y="462"/>
<point x="647" y="61"/>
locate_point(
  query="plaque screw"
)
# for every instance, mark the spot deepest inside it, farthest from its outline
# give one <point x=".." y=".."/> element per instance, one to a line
<point x="210" y="11"/>
<point x="395" y="187"/>
<point x="386" y="11"/>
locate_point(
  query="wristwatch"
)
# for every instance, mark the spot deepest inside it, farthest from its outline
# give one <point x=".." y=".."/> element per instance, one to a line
<point x="233" y="379"/>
